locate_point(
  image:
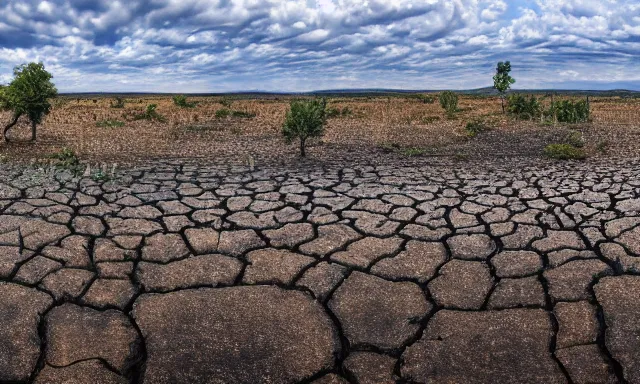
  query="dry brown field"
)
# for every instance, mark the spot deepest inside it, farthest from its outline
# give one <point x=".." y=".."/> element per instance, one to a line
<point x="403" y="126"/>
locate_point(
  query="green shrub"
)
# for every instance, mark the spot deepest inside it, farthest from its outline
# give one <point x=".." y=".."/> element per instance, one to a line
<point x="523" y="107"/>
<point x="66" y="159"/>
<point x="449" y="101"/>
<point x="333" y="112"/>
<point x="564" y="152"/>
<point x="222" y="113"/>
<point x="150" y="114"/>
<point x="305" y="119"/>
<point x="181" y="101"/>
<point x="567" y="111"/>
<point x="118" y="102"/>
<point x="476" y="126"/>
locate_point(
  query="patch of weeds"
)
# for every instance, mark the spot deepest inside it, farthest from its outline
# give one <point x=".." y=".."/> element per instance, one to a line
<point x="226" y="102"/>
<point x="411" y="152"/>
<point x="117" y="103"/>
<point x="66" y="159"/>
<point x="334" y="112"/>
<point x="390" y="147"/>
<point x="100" y="176"/>
<point x="110" y="124"/>
<point x="459" y="156"/>
<point x="429" y="119"/>
<point x="181" y="101"/>
<point x="150" y="114"/>
<point x="222" y="113"/>
<point x="575" y="138"/>
<point x="564" y="152"/>
<point x="602" y="146"/>
<point x="4" y="159"/>
<point x="243" y="114"/>
<point x="475" y="127"/>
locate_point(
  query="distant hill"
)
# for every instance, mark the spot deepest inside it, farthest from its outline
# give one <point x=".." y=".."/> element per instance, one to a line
<point x="487" y="91"/>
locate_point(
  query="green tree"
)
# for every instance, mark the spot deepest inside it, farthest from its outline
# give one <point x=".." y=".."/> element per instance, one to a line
<point x="502" y="80"/>
<point x="28" y="95"/>
<point x="305" y="119"/>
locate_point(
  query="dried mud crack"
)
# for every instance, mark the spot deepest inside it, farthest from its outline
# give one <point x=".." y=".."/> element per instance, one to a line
<point x="421" y="272"/>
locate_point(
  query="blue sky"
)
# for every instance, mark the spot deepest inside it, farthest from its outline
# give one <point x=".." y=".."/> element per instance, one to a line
<point x="302" y="45"/>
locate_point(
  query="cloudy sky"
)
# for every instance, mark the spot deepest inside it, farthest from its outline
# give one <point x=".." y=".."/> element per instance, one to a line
<point x="301" y="45"/>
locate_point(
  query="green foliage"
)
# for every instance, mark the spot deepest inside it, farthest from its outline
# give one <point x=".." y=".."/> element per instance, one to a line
<point x="100" y="176"/>
<point x="449" y="101"/>
<point x="110" y="124"/>
<point x="305" y="119"/>
<point x="28" y="94"/>
<point x="181" y="101"/>
<point x="118" y="102"/>
<point x="502" y="81"/>
<point x="523" y="107"/>
<point x="66" y="159"/>
<point x="476" y="126"/>
<point x="226" y="102"/>
<point x="150" y="114"/>
<point x="567" y="111"/>
<point x="222" y="113"/>
<point x="427" y="99"/>
<point x="243" y="114"/>
<point x="411" y="152"/>
<point x="564" y="152"/>
<point x="334" y="112"/>
<point x="575" y="138"/>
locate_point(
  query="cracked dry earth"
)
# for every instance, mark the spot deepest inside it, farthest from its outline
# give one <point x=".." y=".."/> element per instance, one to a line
<point x="422" y="273"/>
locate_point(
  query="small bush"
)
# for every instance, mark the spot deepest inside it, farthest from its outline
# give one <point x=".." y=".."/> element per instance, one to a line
<point x="449" y="101"/>
<point x="110" y="124"/>
<point x="523" y="107"/>
<point x="181" y="101"/>
<point x="411" y="152"/>
<point x="66" y="159"/>
<point x="226" y="102"/>
<point x="567" y="111"/>
<point x="150" y="114"/>
<point x="305" y="119"/>
<point x="222" y="113"/>
<point x="429" y="119"/>
<point x="118" y="102"/>
<point x="564" y="152"/>
<point x="333" y="112"/>
<point x="476" y="126"/>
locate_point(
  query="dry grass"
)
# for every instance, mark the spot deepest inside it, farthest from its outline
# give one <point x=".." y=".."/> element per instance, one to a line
<point x="373" y="122"/>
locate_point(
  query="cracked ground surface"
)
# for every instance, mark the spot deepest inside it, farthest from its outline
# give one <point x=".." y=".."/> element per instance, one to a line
<point x="405" y="273"/>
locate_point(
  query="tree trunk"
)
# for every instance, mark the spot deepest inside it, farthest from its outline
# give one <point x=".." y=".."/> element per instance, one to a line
<point x="33" y="131"/>
<point x="302" y="147"/>
<point x="9" y="126"/>
<point x="502" y="101"/>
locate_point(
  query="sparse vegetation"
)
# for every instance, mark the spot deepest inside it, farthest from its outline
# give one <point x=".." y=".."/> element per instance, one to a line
<point x="475" y="127"/>
<point x="66" y="158"/>
<point x="568" y="111"/>
<point x="524" y="108"/>
<point x="28" y="94"/>
<point x="182" y="102"/>
<point x="564" y="152"/>
<point x="576" y="139"/>
<point x="334" y="112"/>
<point x="110" y="124"/>
<point x="150" y="113"/>
<point x="305" y="119"/>
<point x="118" y="102"/>
<point x="449" y="102"/>
<point x="412" y="152"/>
<point x="243" y="114"/>
<point x="222" y="113"/>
